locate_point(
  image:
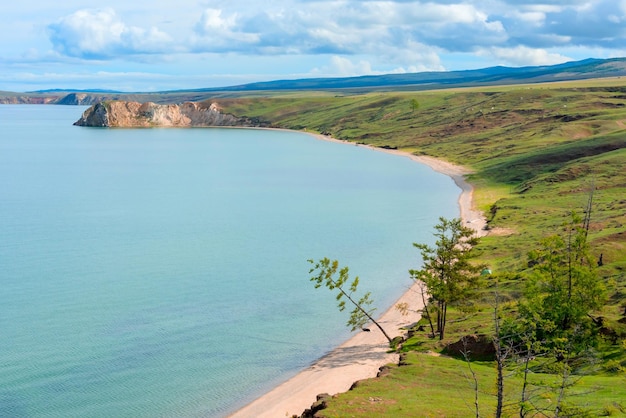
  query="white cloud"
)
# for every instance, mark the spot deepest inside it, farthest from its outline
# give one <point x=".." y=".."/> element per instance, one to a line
<point x="451" y="13"/>
<point x="215" y="32"/>
<point x="212" y="21"/>
<point x="287" y="38"/>
<point x="340" y="66"/>
<point x="542" y="8"/>
<point x="344" y="67"/>
<point x="348" y="28"/>
<point x="521" y="56"/>
<point x="393" y="29"/>
<point x="100" y="34"/>
<point x="533" y="18"/>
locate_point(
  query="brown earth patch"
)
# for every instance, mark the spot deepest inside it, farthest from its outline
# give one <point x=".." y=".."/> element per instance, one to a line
<point x="501" y="232"/>
<point x="581" y="135"/>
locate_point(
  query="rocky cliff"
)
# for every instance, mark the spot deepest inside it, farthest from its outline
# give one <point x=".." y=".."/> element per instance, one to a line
<point x="58" y="98"/>
<point x="79" y="99"/>
<point x="23" y="99"/>
<point x="142" y="115"/>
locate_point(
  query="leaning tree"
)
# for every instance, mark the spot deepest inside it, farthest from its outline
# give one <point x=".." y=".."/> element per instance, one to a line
<point x="328" y="274"/>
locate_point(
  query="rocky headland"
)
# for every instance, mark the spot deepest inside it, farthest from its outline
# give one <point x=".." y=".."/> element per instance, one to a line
<point x="123" y="114"/>
<point x="24" y="99"/>
<point x="55" y="98"/>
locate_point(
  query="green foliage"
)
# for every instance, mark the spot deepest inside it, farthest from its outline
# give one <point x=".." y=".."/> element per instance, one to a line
<point x="614" y="366"/>
<point x="440" y="386"/>
<point x="449" y="276"/>
<point x="614" y="409"/>
<point x="554" y="321"/>
<point x="327" y="273"/>
<point x="563" y="290"/>
<point x="534" y="150"/>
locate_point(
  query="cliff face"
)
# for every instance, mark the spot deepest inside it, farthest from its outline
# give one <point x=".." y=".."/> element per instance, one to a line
<point x="78" y="99"/>
<point x="137" y="115"/>
<point x="15" y="99"/>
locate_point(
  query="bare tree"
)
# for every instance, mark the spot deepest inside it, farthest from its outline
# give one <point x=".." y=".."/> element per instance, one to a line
<point x="329" y="274"/>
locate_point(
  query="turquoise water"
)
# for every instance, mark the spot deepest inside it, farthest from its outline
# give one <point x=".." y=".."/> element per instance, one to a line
<point x="163" y="273"/>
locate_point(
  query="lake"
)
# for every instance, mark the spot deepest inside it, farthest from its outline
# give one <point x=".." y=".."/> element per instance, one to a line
<point x="164" y="273"/>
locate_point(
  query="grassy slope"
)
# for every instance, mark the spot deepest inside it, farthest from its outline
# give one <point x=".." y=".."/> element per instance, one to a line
<point x="443" y="387"/>
<point x="536" y="151"/>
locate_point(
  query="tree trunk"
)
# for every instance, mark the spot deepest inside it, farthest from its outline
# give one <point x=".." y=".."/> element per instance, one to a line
<point x="366" y="314"/>
<point x="430" y="321"/>
<point x="439" y="313"/>
<point x="522" y="407"/>
<point x="443" y="321"/>
<point x="499" y="360"/>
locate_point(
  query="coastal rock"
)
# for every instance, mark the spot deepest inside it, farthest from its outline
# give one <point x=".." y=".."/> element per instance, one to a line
<point x="317" y="406"/>
<point x="143" y="115"/>
<point x="54" y="98"/>
<point x="477" y="347"/>
<point x="78" y="99"/>
<point x="96" y="116"/>
<point x="383" y="371"/>
<point x="24" y="99"/>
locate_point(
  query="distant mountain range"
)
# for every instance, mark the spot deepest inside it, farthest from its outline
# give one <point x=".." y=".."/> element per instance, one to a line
<point x="76" y="91"/>
<point x="577" y="70"/>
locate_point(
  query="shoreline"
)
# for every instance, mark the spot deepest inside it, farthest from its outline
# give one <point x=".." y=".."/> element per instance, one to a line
<point x="361" y="356"/>
<point x="468" y="213"/>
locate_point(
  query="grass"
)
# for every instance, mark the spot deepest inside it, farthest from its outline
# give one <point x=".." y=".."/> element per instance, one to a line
<point x="423" y="390"/>
<point x="536" y="153"/>
<point x="428" y="384"/>
<point x="536" y="150"/>
<point x="439" y="386"/>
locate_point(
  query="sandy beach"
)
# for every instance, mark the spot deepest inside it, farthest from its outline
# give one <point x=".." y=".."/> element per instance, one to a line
<point x="363" y="354"/>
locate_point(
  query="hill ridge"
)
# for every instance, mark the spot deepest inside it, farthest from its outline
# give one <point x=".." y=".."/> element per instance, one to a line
<point x="432" y="80"/>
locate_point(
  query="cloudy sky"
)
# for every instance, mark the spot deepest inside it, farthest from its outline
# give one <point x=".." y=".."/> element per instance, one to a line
<point x="135" y="45"/>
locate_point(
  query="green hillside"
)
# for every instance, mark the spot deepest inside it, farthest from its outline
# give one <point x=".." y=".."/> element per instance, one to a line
<point x="535" y="150"/>
<point x="537" y="153"/>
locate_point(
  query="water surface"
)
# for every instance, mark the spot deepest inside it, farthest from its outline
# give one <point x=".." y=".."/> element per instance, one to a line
<point x="163" y="272"/>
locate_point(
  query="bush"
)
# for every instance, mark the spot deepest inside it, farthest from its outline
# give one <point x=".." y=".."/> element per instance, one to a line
<point x="613" y="366"/>
<point x="614" y="409"/>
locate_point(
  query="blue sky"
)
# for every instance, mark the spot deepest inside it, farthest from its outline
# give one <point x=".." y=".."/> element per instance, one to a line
<point x="175" y="44"/>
